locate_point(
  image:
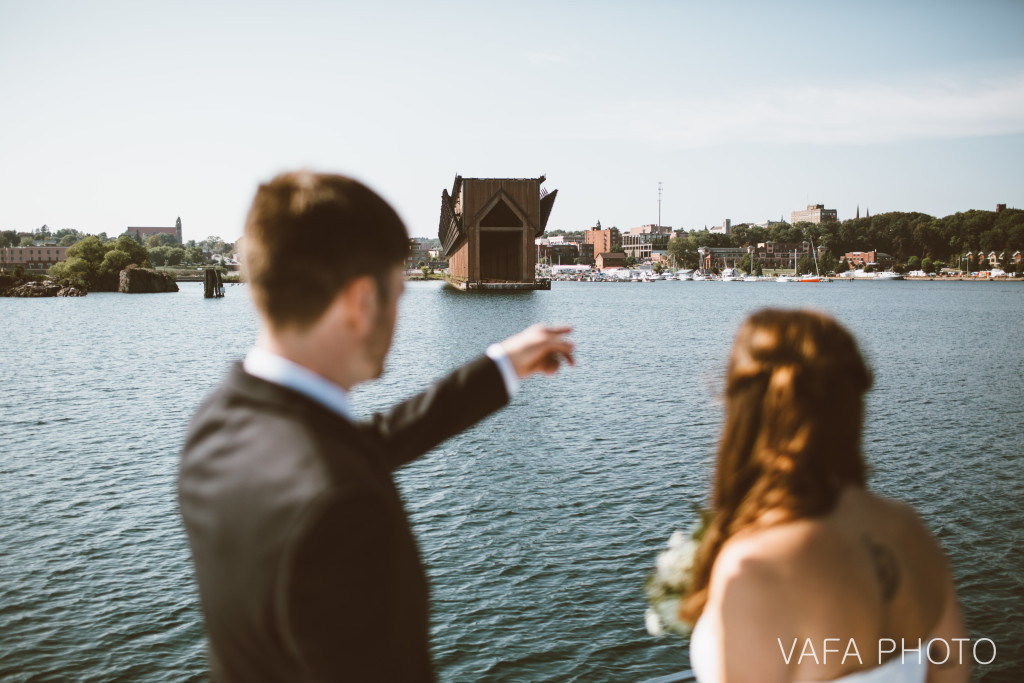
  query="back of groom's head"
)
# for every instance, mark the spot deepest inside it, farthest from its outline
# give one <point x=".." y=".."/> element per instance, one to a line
<point x="308" y="235"/>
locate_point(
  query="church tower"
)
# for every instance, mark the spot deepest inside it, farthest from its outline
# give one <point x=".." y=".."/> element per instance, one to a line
<point x="177" y="230"/>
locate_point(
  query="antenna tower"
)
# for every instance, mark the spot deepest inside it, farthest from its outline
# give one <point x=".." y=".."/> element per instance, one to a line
<point x="659" y="205"/>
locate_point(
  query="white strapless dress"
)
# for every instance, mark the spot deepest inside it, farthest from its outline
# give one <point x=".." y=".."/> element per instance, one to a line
<point x="704" y="663"/>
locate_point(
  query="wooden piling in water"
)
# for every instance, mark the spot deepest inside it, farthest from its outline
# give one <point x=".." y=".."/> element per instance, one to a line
<point x="213" y="286"/>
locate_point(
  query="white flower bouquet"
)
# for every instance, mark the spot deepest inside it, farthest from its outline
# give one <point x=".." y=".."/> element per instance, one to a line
<point x="673" y="574"/>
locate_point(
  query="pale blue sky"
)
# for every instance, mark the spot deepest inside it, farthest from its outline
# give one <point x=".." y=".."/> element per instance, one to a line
<point x="118" y="114"/>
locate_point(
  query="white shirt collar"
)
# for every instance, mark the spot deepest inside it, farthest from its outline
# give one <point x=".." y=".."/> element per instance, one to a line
<point x="283" y="372"/>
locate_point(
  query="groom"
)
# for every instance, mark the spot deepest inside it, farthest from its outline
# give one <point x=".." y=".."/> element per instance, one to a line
<point x="306" y="564"/>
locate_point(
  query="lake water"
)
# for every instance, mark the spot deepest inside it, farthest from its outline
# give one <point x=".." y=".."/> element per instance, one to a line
<point x="539" y="525"/>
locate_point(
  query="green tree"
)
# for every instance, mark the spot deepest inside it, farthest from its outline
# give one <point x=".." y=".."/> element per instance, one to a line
<point x="683" y="252"/>
<point x="175" y="256"/>
<point x="805" y="264"/>
<point x="828" y="263"/>
<point x="630" y="261"/>
<point x="68" y="240"/>
<point x="195" y="256"/>
<point x="137" y="253"/>
<point x="745" y="264"/>
<point x="91" y="250"/>
<point x="64" y="232"/>
<point x="161" y="239"/>
<point x="98" y="264"/>
<point x="913" y="263"/>
<point x="27" y="241"/>
<point x="158" y="256"/>
<point x="927" y="265"/>
<point x="75" y="268"/>
<point x="8" y="238"/>
<point x="215" y="245"/>
<point x="114" y="261"/>
<point x="425" y="270"/>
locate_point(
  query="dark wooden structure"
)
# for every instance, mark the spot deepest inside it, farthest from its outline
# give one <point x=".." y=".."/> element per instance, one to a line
<point x="487" y="231"/>
<point x="213" y="285"/>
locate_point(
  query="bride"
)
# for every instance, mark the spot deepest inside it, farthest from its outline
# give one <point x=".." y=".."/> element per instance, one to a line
<point x="803" y="573"/>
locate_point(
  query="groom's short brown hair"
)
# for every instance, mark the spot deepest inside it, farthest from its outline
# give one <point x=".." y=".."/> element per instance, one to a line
<point x="308" y="235"/>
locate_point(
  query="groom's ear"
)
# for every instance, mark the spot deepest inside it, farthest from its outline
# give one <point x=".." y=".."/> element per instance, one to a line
<point x="355" y="305"/>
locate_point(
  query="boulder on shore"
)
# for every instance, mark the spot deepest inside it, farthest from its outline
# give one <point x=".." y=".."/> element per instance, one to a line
<point x="135" y="280"/>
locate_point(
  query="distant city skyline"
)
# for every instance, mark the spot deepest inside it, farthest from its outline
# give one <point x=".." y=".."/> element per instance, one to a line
<point x="122" y="115"/>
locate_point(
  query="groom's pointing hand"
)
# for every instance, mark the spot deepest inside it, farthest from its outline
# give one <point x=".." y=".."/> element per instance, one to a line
<point x="539" y="348"/>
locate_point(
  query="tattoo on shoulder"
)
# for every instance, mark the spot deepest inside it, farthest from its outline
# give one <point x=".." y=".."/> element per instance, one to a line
<point x="887" y="569"/>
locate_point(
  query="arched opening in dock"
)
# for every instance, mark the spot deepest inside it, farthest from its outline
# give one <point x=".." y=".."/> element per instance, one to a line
<point x="502" y="235"/>
<point x="501" y="254"/>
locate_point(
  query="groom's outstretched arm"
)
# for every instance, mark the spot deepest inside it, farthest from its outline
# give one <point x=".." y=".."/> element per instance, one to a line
<point x="469" y="394"/>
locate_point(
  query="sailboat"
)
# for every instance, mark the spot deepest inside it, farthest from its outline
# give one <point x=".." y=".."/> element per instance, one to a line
<point x="817" y="275"/>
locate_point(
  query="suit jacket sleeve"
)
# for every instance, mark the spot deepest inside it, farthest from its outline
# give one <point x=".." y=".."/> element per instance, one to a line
<point x="453" y="404"/>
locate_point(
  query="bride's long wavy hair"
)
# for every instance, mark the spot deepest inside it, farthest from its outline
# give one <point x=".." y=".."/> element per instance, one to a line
<point x="794" y="400"/>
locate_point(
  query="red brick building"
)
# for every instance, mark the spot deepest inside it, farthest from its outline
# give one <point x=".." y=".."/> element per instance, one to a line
<point x="419" y="253"/>
<point x="603" y="240"/>
<point x="859" y="259"/>
<point x="144" y="234"/>
<point x="610" y="259"/>
<point x="33" y="259"/>
<point x="564" y="253"/>
<point x="782" y="254"/>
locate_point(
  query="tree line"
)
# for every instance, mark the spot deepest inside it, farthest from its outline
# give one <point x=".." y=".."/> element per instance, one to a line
<point x="908" y="237"/>
<point x="96" y="261"/>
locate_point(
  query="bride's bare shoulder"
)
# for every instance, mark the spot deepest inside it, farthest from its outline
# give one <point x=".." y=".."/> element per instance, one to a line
<point x="766" y="544"/>
<point x="788" y="550"/>
<point x="763" y="560"/>
<point x="890" y="518"/>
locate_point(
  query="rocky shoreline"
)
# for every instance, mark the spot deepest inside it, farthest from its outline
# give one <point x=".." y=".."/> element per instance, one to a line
<point x="11" y="286"/>
<point x="132" y="280"/>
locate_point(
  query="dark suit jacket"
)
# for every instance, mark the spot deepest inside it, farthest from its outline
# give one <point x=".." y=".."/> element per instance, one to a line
<point x="307" y="567"/>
